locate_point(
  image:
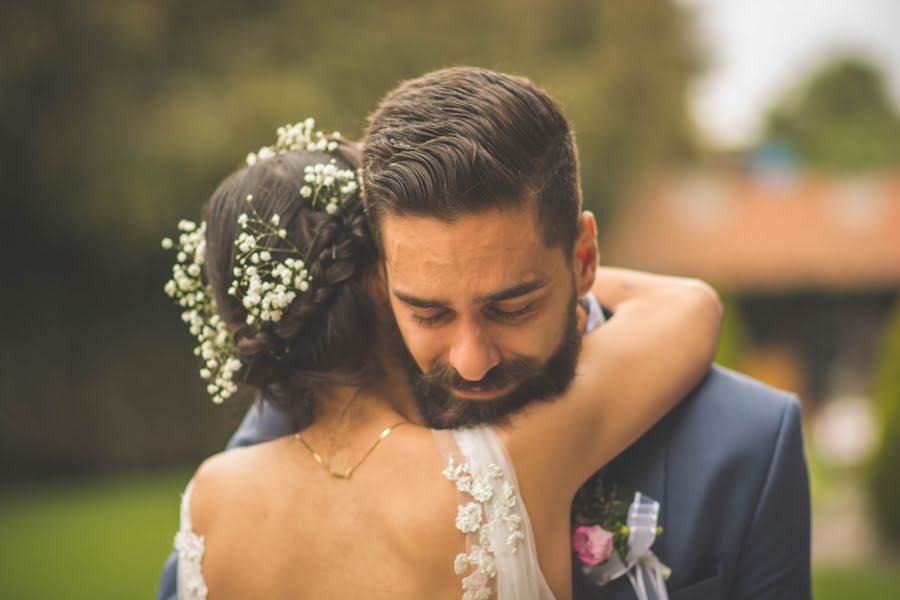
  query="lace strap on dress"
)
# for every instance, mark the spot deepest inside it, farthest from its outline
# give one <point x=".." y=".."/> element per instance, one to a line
<point x="500" y="558"/>
<point x="190" y="548"/>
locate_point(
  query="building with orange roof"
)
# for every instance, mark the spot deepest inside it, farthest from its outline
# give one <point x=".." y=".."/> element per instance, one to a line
<point x="812" y="261"/>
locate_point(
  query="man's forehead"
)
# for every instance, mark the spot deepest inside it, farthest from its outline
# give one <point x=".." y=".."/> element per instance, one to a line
<point x="476" y="254"/>
<point x="502" y="225"/>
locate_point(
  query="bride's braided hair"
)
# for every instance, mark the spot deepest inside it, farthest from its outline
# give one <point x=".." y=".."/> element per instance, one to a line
<point x="322" y="338"/>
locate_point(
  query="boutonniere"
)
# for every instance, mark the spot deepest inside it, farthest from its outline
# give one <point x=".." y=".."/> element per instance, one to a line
<point x="612" y="532"/>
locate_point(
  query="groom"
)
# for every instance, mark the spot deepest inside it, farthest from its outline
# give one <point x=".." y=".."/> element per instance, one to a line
<point x="726" y="465"/>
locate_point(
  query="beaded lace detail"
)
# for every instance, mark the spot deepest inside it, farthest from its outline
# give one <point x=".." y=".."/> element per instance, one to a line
<point x="483" y="516"/>
<point x="191" y="548"/>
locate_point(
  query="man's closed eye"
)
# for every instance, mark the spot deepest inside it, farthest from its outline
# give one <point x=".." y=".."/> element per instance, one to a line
<point x="511" y="315"/>
<point x="431" y="320"/>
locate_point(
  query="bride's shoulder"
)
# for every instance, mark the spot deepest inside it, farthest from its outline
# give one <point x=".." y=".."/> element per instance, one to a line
<point x="230" y="481"/>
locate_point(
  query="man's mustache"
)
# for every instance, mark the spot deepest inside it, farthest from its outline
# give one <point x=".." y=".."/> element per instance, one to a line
<point x="443" y="375"/>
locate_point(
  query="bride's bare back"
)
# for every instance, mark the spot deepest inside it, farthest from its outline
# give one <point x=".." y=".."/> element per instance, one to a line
<point x="279" y="526"/>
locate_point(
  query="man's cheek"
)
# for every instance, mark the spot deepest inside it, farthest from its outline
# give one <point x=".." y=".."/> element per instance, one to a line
<point x="533" y="344"/>
<point x="420" y="346"/>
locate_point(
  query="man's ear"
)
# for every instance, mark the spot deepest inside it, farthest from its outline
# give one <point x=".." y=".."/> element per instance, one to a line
<point x="586" y="256"/>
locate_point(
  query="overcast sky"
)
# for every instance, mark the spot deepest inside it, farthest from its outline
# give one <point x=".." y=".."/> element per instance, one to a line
<point x="758" y="48"/>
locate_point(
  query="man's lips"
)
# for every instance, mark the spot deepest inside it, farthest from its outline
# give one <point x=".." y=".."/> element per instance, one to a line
<point x="479" y="393"/>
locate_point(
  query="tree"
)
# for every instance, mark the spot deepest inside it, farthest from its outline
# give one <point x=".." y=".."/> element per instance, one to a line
<point x="734" y="337"/>
<point x="841" y="120"/>
<point x="118" y="118"/>
<point x="885" y="472"/>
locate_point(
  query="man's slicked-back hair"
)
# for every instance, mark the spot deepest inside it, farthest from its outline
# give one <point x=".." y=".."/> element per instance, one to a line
<point x="466" y="140"/>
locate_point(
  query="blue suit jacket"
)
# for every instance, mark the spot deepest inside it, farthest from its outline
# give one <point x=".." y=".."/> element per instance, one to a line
<point x="728" y="468"/>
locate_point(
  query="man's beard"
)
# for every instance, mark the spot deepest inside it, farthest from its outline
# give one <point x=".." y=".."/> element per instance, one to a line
<point x="534" y="382"/>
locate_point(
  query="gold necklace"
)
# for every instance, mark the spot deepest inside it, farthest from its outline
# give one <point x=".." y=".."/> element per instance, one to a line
<point x="348" y="472"/>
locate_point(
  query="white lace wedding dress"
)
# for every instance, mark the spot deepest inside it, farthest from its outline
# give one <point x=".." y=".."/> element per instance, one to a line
<point x="500" y="562"/>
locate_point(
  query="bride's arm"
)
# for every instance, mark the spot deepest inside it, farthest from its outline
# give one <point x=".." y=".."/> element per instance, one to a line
<point x="633" y="369"/>
<point x="665" y="330"/>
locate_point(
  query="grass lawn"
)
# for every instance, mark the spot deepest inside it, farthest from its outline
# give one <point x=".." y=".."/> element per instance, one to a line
<point x="107" y="538"/>
<point x="841" y="582"/>
<point x="104" y="538"/>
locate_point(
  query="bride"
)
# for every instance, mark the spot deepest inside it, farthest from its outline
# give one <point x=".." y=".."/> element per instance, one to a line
<point x="364" y="501"/>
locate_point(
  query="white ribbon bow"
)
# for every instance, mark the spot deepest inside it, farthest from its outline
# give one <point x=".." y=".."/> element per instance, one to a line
<point x="645" y="571"/>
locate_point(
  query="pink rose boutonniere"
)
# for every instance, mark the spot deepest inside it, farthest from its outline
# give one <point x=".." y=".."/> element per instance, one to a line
<point x="593" y="544"/>
<point x="612" y="538"/>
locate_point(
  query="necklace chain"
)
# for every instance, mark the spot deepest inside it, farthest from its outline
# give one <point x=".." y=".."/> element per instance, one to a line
<point x="345" y="474"/>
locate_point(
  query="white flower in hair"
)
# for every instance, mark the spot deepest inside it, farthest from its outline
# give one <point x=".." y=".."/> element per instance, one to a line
<point x="329" y="185"/>
<point x="297" y="136"/>
<point x="214" y="343"/>
<point x="269" y="271"/>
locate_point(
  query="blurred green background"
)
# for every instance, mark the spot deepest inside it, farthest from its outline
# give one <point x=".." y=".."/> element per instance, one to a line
<point x="119" y="118"/>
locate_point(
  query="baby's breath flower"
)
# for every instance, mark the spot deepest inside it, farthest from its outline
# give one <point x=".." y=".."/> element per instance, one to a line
<point x="298" y="136"/>
<point x="328" y="184"/>
<point x="263" y="282"/>
<point x="214" y="343"/>
<point x="266" y="284"/>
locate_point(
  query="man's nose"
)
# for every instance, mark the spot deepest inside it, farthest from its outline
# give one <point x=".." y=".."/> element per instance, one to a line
<point x="472" y="353"/>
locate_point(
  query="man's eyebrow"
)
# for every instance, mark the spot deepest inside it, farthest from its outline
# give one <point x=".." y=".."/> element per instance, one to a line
<point x="514" y="292"/>
<point x="419" y="302"/>
<point x="507" y="294"/>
